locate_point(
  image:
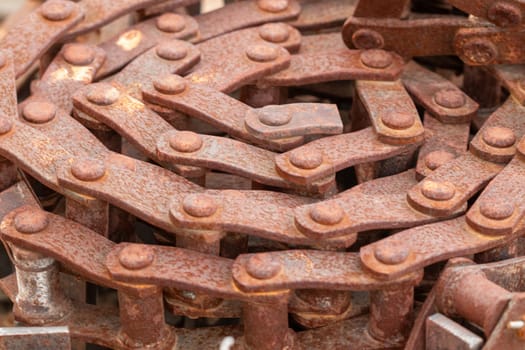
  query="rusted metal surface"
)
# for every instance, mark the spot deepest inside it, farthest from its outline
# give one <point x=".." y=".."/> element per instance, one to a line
<point x="240" y="57"/>
<point x="220" y="110"/>
<point x="36" y="33"/>
<point x="98" y="13"/>
<point x="494" y="214"/>
<point x="437" y="95"/>
<point x="487" y="45"/>
<point x="73" y="67"/>
<point x="336" y="64"/>
<point x="395" y="120"/>
<point x="450" y="186"/>
<point x="135" y="40"/>
<point x="443" y="143"/>
<point x="45" y="338"/>
<point x="376" y="9"/>
<point x="434" y="36"/>
<point x="226" y="155"/>
<point x="245" y="14"/>
<point x="317" y="15"/>
<point x="328" y="155"/>
<point x="502" y="14"/>
<point x="168" y="57"/>
<point x="496" y="141"/>
<point x="511" y="76"/>
<point x="261" y="163"/>
<point x="414" y="248"/>
<point x="359" y="209"/>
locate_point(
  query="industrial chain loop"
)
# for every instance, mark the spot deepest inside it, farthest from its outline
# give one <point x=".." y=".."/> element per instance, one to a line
<point x="272" y="174"/>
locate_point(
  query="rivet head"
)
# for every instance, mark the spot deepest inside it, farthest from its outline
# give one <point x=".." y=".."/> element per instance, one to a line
<point x="87" y="169"/>
<point x="273" y="5"/>
<point x="263" y="52"/>
<point x="367" y="39"/>
<point x="171" y="23"/>
<point x="78" y="54"/>
<point x="136" y="256"/>
<point x="376" y="59"/>
<point x="499" y="137"/>
<point x="170" y="84"/>
<point x="398" y="121"/>
<point x="39" y="112"/>
<point x="435" y="159"/>
<point x="6" y="124"/>
<point x="480" y="51"/>
<point x="185" y="141"/>
<point x="306" y="159"/>
<point x="450" y="98"/>
<point x="391" y="255"/>
<point x="496" y="211"/>
<point x="172" y="50"/>
<point x="3" y="60"/>
<point x="438" y="191"/>
<point x="31" y="221"/>
<point x="56" y="10"/>
<point x="275" y="32"/>
<point x="504" y="14"/>
<point x="327" y="214"/>
<point x="274" y="118"/>
<point x="199" y="205"/>
<point x="262" y="268"/>
<point x="102" y="94"/>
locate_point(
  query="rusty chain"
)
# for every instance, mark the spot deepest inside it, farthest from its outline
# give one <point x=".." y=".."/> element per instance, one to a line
<point x="321" y="160"/>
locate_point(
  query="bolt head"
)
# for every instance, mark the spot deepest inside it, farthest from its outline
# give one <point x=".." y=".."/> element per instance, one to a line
<point x="263" y="52"/>
<point x="450" y="98"/>
<point x="376" y="59"/>
<point x="31" y="220"/>
<point x="78" y="54"/>
<point x="367" y="39"/>
<point x="170" y="84"/>
<point x="275" y="32"/>
<point x="136" y="256"/>
<point x="435" y="159"/>
<point x="199" y="205"/>
<point x="6" y="124"/>
<point x="306" y="159"/>
<point x="39" y="112"/>
<point x="327" y="214"/>
<point x="398" y="121"/>
<point x="56" y="10"/>
<point x="273" y="5"/>
<point x="261" y="267"/>
<point x="499" y="137"/>
<point x="496" y="211"/>
<point x="438" y="191"/>
<point x="102" y="94"/>
<point x="88" y="169"/>
<point x="172" y="50"/>
<point x="480" y="51"/>
<point x="391" y="255"/>
<point x="185" y="141"/>
<point x="504" y="14"/>
<point x="274" y="118"/>
<point x="171" y="23"/>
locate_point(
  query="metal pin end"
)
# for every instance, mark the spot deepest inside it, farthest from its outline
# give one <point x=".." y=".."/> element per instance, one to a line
<point x="516" y="325"/>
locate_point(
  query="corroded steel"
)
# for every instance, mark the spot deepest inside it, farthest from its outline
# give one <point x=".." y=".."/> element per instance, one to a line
<point x="270" y="160"/>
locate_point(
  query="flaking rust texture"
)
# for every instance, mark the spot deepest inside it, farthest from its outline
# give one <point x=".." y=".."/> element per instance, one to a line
<point x="273" y="174"/>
